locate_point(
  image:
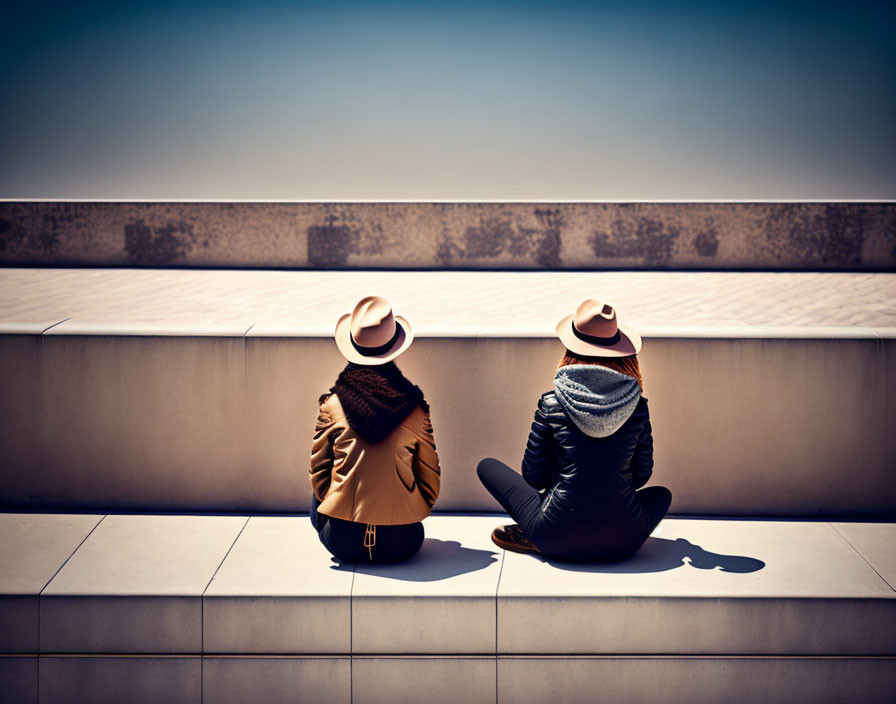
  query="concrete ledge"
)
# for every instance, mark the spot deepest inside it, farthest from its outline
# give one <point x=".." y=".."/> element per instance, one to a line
<point x="219" y="585"/>
<point x="277" y="592"/>
<point x="515" y="235"/>
<point x="708" y="609"/>
<point x="135" y="585"/>
<point x="695" y="680"/>
<point x="33" y="547"/>
<point x="746" y="422"/>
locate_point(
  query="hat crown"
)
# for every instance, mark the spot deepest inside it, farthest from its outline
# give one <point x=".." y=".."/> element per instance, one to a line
<point x="596" y="319"/>
<point x="372" y="323"/>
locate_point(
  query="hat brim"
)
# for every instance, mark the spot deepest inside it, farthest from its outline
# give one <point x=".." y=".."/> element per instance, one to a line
<point x="629" y="341"/>
<point x="344" y="342"/>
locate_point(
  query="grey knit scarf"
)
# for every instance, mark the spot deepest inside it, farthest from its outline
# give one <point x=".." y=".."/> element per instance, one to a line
<point x="597" y="399"/>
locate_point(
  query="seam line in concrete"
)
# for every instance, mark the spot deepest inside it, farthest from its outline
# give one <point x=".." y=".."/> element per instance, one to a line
<point x="215" y="574"/>
<point x="103" y="518"/>
<point x="54" y="325"/>
<point x="858" y="552"/>
<point x="202" y="610"/>
<point x="351" y="636"/>
<point x="497" y="589"/>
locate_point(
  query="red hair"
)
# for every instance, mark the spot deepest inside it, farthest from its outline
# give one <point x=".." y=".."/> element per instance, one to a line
<point x="627" y="365"/>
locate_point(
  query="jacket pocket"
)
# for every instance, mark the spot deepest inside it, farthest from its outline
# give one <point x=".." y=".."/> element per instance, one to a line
<point x="404" y="460"/>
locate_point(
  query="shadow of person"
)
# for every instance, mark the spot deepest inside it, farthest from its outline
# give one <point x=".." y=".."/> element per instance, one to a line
<point x="662" y="554"/>
<point x="436" y="559"/>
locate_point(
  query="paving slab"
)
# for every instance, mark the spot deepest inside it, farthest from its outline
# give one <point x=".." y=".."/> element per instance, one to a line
<point x="121" y="679"/>
<point x="32" y="549"/>
<point x="695" y="680"/>
<point x="435" y="680"/>
<point x="276" y="679"/>
<point x="135" y="585"/>
<point x="441" y="601"/>
<point x="876" y="542"/>
<point x="439" y="302"/>
<point x="278" y="591"/>
<point x="703" y="587"/>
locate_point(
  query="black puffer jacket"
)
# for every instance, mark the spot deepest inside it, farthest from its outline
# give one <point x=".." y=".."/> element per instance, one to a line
<point x="589" y="449"/>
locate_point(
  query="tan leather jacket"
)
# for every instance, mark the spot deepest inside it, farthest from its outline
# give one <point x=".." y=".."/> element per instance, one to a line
<point x="393" y="481"/>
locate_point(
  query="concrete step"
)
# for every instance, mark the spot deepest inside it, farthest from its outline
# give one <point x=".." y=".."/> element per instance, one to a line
<point x="217" y="607"/>
<point x="771" y="394"/>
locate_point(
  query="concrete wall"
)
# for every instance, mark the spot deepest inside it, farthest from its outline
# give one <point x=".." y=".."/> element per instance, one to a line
<point x="831" y="236"/>
<point x="754" y="425"/>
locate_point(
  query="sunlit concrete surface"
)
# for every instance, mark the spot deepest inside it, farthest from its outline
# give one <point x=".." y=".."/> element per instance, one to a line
<point x="32" y="549"/>
<point x="166" y="301"/>
<point x="135" y="585"/>
<point x="418" y="606"/>
<point x="197" y="390"/>
<point x="278" y="591"/>
<point x="703" y="608"/>
<point x="130" y="422"/>
<point x="747" y="587"/>
<point x="876" y="542"/>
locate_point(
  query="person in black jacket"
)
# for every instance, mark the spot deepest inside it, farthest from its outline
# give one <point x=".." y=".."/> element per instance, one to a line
<point x="589" y="453"/>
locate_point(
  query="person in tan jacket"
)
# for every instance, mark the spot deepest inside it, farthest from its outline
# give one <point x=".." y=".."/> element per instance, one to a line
<point x="374" y="469"/>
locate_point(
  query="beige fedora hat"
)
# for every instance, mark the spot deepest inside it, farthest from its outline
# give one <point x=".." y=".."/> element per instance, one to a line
<point x="371" y="334"/>
<point x="592" y="331"/>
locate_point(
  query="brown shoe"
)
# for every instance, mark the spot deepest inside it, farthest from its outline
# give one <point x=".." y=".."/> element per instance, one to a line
<point x="513" y="538"/>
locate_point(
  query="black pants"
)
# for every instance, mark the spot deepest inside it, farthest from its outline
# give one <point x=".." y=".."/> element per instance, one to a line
<point x="523" y="503"/>
<point x="346" y="539"/>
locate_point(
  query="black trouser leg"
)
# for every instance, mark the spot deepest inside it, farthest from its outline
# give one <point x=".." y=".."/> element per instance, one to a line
<point x="318" y="520"/>
<point x="345" y="539"/>
<point x="656" y="501"/>
<point x="510" y="490"/>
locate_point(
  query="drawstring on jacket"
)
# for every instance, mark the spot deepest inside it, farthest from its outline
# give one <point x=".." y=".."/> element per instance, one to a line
<point x="370" y="538"/>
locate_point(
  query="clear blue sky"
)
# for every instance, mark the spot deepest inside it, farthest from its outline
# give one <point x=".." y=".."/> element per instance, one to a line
<point x="464" y="100"/>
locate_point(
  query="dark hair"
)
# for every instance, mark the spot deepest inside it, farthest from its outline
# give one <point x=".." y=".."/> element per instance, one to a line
<point x="627" y="365"/>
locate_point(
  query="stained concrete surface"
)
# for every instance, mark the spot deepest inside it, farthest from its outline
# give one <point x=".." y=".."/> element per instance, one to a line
<point x="821" y="235"/>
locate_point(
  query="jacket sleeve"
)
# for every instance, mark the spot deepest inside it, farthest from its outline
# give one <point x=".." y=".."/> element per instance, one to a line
<point x="322" y="454"/>
<point x="642" y="460"/>
<point x="426" y="463"/>
<point x="538" y="457"/>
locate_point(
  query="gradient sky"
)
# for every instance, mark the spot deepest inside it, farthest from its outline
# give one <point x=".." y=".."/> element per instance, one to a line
<point x="448" y="101"/>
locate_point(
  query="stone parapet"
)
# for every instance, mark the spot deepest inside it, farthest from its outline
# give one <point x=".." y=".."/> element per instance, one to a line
<point x="834" y="236"/>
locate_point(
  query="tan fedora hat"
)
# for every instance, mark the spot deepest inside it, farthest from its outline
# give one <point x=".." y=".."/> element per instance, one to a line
<point x="371" y="334"/>
<point x="592" y="331"/>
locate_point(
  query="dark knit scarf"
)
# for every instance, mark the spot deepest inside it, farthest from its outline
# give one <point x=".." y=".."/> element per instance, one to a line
<point x="376" y="398"/>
